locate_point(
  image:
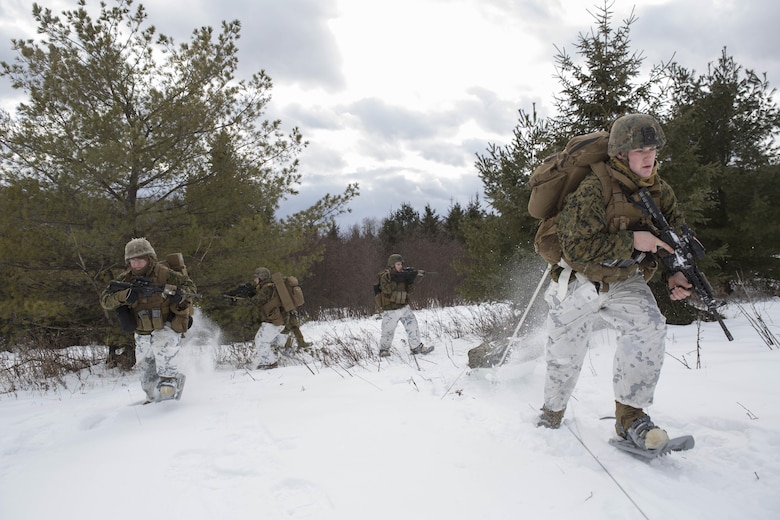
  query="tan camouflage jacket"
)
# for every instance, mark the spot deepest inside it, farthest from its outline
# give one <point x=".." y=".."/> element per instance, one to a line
<point x="269" y="304"/>
<point x="588" y="239"/>
<point x="394" y="295"/>
<point x="153" y="311"/>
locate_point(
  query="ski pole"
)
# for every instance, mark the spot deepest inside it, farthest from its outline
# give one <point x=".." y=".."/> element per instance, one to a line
<point x="527" y="308"/>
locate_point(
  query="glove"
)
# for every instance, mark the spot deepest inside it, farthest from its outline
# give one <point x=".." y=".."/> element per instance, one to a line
<point x="130" y="296"/>
<point x="175" y="298"/>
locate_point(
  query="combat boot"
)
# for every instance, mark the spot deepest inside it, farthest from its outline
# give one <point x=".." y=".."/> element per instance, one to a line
<point x="167" y="388"/>
<point x="551" y="419"/>
<point x="635" y="425"/>
<point x="170" y="387"/>
<point x="421" y="349"/>
<point x="644" y="434"/>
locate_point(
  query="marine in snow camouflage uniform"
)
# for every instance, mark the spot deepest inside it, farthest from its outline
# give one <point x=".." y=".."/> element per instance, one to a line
<point x="603" y="276"/>
<point x="394" y="297"/>
<point x="276" y="323"/>
<point x="160" y="319"/>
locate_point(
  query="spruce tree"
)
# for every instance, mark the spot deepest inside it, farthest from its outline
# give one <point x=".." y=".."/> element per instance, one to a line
<point x="727" y="120"/>
<point x="598" y="85"/>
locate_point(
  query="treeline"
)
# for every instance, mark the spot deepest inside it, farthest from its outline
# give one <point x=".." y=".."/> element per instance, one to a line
<point x="341" y="283"/>
<point x="116" y="140"/>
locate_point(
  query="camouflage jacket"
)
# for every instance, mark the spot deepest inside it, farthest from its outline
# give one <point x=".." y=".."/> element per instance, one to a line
<point x="157" y="306"/>
<point x="394" y="295"/>
<point x="587" y="239"/>
<point x="269" y="304"/>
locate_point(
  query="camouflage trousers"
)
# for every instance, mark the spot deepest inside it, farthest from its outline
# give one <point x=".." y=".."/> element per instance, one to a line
<point x="390" y="319"/>
<point x="155" y="356"/>
<point x="268" y="340"/>
<point x="630" y="308"/>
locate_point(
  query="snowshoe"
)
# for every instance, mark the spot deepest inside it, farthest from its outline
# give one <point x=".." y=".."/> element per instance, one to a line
<point x="171" y="387"/>
<point x="420" y="349"/>
<point x="643" y="433"/>
<point x="682" y="443"/>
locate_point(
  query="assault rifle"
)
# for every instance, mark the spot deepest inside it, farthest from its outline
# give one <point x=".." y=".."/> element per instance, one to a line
<point x="687" y="249"/>
<point x="146" y="287"/>
<point x="407" y="275"/>
<point x="241" y="292"/>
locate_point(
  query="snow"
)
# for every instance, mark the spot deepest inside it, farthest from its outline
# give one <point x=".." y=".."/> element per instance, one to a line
<point x="407" y="438"/>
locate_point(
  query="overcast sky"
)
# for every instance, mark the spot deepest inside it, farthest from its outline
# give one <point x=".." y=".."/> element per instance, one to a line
<point x="399" y="96"/>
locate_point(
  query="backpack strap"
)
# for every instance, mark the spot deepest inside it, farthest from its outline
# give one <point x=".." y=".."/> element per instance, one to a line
<point x="565" y="276"/>
<point x="601" y="171"/>
<point x="615" y="201"/>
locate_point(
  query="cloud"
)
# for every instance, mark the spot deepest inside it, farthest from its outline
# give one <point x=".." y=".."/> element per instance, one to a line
<point x="386" y="121"/>
<point x="444" y="153"/>
<point x="317" y="117"/>
<point x="495" y="114"/>
<point x="290" y="40"/>
<point x="400" y="96"/>
<point x="322" y="160"/>
<point x="695" y="32"/>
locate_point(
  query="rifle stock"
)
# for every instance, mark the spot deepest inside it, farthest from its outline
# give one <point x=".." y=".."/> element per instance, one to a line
<point x="687" y="249"/>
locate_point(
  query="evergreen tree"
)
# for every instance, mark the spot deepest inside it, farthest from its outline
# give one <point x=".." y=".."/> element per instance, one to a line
<point x="430" y="223"/>
<point x="602" y="85"/>
<point x="453" y="221"/>
<point x="402" y="223"/>
<point x="497" y="243"/>
<point x="595" y="90"/>
<point x="728" y="120"/>
<point x="124" y="133"/>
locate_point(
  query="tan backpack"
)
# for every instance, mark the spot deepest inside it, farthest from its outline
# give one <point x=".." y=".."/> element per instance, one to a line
<point x="289" y="290"/>
<point x="556" y="177"/>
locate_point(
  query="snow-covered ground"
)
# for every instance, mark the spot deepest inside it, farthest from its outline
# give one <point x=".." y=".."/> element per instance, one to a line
<point x="404" y="439"/>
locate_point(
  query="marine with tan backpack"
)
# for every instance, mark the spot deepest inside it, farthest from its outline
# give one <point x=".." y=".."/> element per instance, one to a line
<point x="278" y="299"/>
<point x="603" y="247"/>
<point x="561" y="174"/>
<point x="153" y="299"/>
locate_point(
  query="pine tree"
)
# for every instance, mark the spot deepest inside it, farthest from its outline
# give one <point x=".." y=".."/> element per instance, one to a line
<point x="599" y="86"/>
<point x="123" y="133"/>
<point x="402" y="223"/>
<point x="430" y="223"/>
<point x="602" y="84"/>
<point x="728" y="121"/>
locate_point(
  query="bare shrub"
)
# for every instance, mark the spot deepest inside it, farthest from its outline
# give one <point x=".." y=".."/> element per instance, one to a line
<point x="346" y="344"/>
<point x="45" y="369"/>
<point x="236" y="355"/>
<point x="752" y="313"/>
<point x="347" y="348"/>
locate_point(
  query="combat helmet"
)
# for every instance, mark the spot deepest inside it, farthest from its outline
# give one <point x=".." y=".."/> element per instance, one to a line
<point x="634" y="131"/>
<point x="392" y="259"/>
<point x="139" y="247"/>
<point x="262" y="274"/>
